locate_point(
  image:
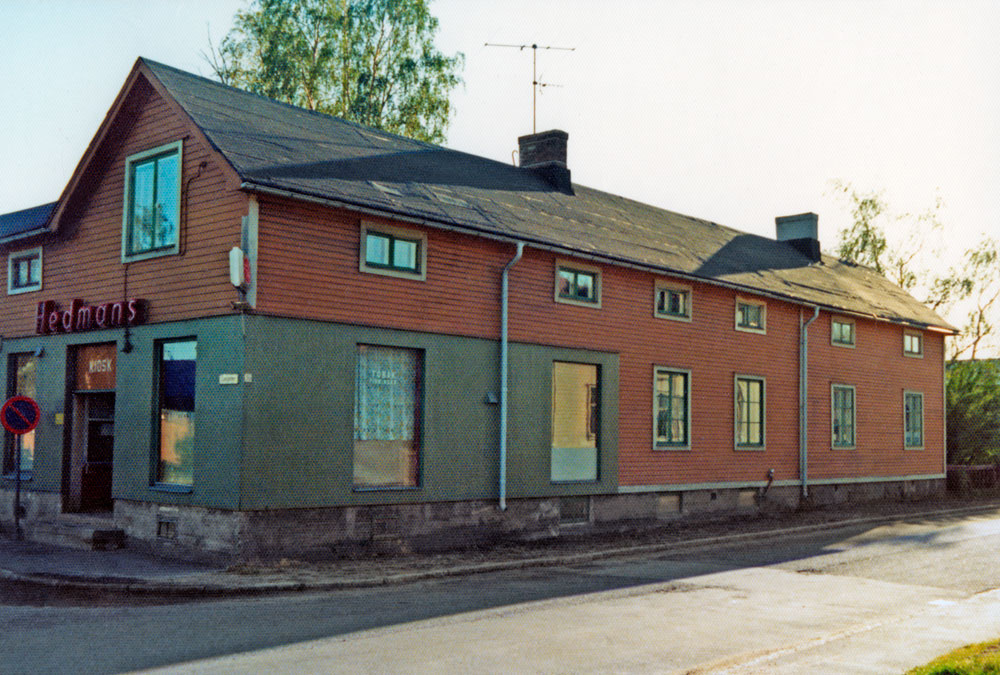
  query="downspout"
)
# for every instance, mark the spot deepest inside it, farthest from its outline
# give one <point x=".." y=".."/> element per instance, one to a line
<point x="503" y="376"/>
<point x="804" y="400"/>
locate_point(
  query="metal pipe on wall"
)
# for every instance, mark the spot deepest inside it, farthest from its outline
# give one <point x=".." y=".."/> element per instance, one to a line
<point x="804" y="400"/>
<point x="503" y="375"/>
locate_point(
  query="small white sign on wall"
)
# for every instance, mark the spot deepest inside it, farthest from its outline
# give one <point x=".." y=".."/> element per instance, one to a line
<point x="229" y="378"/>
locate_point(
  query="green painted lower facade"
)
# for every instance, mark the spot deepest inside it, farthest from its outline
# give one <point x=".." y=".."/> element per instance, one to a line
<point x="274" y="415"/>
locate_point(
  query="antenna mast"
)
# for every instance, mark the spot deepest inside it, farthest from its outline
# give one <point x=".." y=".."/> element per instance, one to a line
<point x="535" y="84"/>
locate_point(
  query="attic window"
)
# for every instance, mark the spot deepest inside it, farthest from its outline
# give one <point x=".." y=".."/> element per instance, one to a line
<point x="24" y="271"/>
<point x="578" y="284"/>
<point x="152" y="203"/>
<point x="393" y="251"/>
<point x="751" y="316"/>
<point x="386" y="189"/>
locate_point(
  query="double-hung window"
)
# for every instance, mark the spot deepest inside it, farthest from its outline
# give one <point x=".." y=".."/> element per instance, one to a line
<point x="393" y="251"/>
<point x="751" y="316"/>
<point x="24" y="271"/>
<point x="842" y="332"/>
<point x="750" y="403"/>
<point x="843" y="416"/>
<point x="178" y="369"/>
<point x="671" y="409"/>
<point x="673" y="302"/>
<point x="578" y="284"/>
<point x="913" y="419"/>
<point x="152" y="203"/>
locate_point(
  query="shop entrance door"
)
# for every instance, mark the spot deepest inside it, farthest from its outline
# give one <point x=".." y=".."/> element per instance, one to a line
<point x="89" y="459"/>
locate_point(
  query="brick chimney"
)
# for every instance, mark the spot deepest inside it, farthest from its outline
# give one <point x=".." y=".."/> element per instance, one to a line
<point x="802" y="232"/>
<point x="545" y="154"/>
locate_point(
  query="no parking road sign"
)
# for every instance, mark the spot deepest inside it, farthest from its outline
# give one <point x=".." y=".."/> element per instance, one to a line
<point x="20" y="415"/>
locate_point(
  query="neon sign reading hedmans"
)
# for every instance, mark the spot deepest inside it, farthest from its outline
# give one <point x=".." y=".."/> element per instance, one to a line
<point x="80" y="317"/>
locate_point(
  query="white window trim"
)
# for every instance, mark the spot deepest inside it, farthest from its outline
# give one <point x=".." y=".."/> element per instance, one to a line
<point x="763" y="315"/>
<point x="920" y="337"/>
<point x="578" y="267"/>
<point x="687" y="445"/>
<point x="923" y="418"/>
<point x="736" y="413"/>
<point x="670" y="286"/>
<point x="854" y="332"/>
<point x="18" y="255"/>
<point x="177" y="146"/>
<point x="401" y="233"/>
<point x="854" y="416"/>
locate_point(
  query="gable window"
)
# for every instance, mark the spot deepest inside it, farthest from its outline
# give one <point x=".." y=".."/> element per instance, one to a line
<point x="578" y="284"/>
<point x="576" y="415"/>
<point x="913" y="419"/>
<point x="24" y="271"/>
<point x="913" y="344"/>
<point x="387" y="412"/>
<point x="842" y="332"/>
<point x="671" y="408"/>
<point x="749" y="412"/>
<point x="178" y="367"/>
<point x="21" y="381"/>
<point x="673" y="302"/>
<point x="751" y="316"/>
<point x="393" y="251"/>
<point x="152" y="203"/>
<point x="843" y="422"/>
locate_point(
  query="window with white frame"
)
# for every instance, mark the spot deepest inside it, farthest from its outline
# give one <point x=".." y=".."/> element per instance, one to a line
<point x="673" y="302"/>
<point x="913" y="419"/>
<point x="393" y="251"/>
<point x="750" y="413"/>
<point x="913" y="343"/>
<point x="24" y="271"/>
<point x="842" y="332"/>
<point x="151" y="218"/>
<point x="578" y="284"/>
<point x="671" y="408"/>
<point x="751" y="315"/>
<point x="842" y="404"/>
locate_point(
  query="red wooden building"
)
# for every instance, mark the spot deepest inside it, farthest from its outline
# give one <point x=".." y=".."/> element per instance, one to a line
<point x="253" y="328"/>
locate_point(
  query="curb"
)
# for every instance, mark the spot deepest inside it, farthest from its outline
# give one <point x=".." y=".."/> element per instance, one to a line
<point x="84" y="584"/>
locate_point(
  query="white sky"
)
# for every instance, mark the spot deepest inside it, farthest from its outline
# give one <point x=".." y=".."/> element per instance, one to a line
<point x="732" y="110"/>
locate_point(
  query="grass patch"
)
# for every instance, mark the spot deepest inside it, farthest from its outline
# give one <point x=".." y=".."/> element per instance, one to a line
<point x="980" y="659"/>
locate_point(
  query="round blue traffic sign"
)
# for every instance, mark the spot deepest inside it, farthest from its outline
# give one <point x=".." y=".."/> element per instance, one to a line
<point x="20" y="415"/>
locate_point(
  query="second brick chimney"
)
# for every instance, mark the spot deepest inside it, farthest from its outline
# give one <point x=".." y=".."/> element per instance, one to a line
<point x="545" y="154"/>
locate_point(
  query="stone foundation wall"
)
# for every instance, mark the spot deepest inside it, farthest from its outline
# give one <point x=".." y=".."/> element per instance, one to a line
<point x="35" y="506"/>
<point x="195" y="532"/>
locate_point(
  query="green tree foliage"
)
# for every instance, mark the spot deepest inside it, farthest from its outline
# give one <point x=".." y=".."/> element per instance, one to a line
<point x="973" y="412"/>
<point x="369" y="61"/>
<point x="976" y="287"/>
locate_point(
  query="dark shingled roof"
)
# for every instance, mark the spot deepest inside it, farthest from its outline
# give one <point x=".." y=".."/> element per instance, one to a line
<point x="21" y="223"/>
<point x="306" y="155"/>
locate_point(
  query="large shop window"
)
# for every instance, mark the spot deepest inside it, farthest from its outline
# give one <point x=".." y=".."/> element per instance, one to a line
<point x="750" y="412"/>
<point x="178" y="360"/>
<point x="22" y="369"/>
<point x="576" y="415"/>
<point x="387" y="412"/>
<point x="672" y="408"/>
<point x="152" y="203"/>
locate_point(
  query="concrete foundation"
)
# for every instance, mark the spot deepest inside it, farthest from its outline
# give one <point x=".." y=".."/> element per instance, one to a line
<point x="196" y="532"/>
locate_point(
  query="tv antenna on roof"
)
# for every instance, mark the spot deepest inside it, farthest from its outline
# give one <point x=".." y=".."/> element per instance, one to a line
<point x="536" y="85"/>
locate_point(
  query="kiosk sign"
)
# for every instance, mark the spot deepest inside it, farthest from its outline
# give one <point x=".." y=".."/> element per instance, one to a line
<point x="20" y="415"/>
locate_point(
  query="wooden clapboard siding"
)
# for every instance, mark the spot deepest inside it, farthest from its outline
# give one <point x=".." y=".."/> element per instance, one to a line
<point x="84" y="261"/>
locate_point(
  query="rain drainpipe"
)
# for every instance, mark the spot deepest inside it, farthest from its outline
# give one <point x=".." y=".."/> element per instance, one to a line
<point x="803" y="400"/>
<point x="503" y="377"/>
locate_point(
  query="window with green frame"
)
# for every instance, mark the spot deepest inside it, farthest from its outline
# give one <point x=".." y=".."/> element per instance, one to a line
<point x="671" y="408"/>
<point x="751" y="316"/>
<point x="577" y="285"/>
<point x="913" y="419"/>
<point x="842" y="332"/>
<point x="21" y="381"/>
<point x="749" y="412"/>
<point x="842" y="400"/>
<point x="674" y="303"/>
<point x="152" y="203"/>
<point x="390" y="252"/>
<point x="178" y="369"/>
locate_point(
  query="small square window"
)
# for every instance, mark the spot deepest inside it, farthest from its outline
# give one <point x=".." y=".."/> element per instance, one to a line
<point x="152" y="203"/>
<point x="393" y="251"/>
<point x="842" y="332"/>
<point x="751" y="316"/>
<point x="673" y="303"/>
<point x="578" y="285"/>
<point x="24" y="271"/>
<point x="913" y="344"/>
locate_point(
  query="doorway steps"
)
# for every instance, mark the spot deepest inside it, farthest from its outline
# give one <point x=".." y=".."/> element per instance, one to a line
<point x="79" y="530"/>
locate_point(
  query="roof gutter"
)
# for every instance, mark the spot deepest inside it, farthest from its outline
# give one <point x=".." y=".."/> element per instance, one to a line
<point x="545" y="246"/>
<point x="23" y="235"/>
<point x="503" y="375"/>
<point x="804" y="401"/>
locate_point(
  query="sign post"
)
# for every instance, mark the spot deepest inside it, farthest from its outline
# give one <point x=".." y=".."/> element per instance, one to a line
<point x="19" y="415"/>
